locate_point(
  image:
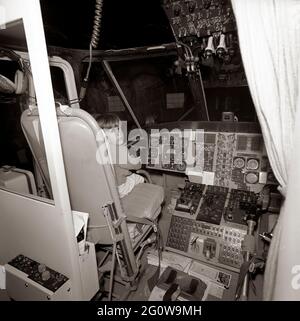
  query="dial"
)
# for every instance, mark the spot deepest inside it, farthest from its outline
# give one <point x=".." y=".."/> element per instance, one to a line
<point x="181" y="167"/>
<point x="177" y="10"/>
<point x="239" y="162"/>
<point x="252" y="163"/>
<point x="192" y="6"/>
<point x="46" y="275"/>
<point x="251" y="178"/>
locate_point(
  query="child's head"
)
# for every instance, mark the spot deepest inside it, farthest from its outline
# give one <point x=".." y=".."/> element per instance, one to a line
<point x="110" y="123"/>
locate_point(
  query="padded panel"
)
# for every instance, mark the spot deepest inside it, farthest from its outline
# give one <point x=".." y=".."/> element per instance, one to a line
<point x="86" y="180"/>
<point x="87" y="183"/>
<point x="143" y="201"/>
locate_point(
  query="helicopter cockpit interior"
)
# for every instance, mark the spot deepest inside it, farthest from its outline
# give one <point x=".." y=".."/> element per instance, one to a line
<point x="197" y="217"/>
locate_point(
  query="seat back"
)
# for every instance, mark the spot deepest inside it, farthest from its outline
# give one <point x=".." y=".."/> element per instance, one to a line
<point x="89" y="189"/>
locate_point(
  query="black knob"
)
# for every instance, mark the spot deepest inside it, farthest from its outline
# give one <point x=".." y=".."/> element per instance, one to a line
<point x="177" y="10"/>
<point x="192" y="6"/>
<point x="207" y="4"/>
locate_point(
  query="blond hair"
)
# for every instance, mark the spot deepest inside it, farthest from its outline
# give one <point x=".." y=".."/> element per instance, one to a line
<point x="107" y="121"/>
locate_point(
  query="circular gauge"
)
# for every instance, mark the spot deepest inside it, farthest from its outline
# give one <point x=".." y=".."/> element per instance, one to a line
<point x="252" y="163"/>
<point x="251" y="178"/>
<point x="239" y="162"/>
<point x="181" y="167"/>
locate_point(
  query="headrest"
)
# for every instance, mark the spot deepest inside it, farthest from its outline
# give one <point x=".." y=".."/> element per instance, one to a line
<point x="21" y="82"/>
<point x="6" y="85"/>
<point x="18" y="86"/>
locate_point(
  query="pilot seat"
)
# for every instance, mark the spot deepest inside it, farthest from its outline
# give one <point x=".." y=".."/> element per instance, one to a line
<point x="92" y="186"/>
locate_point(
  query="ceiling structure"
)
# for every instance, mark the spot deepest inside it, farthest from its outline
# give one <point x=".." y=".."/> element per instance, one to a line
<point x="125" y="24"/>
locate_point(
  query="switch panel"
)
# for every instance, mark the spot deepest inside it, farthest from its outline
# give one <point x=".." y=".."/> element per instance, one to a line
<point x="39" y="273"/>
<point x="218" y="245"/>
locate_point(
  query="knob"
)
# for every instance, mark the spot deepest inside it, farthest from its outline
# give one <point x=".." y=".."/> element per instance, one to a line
<point x="231" y="52"/>
<point x="42" y="268"/>
<point x="192" y="6"/>
<point x="192" y="30"/>
<point x="210" y="49"/>
<point x="177" y="10"/>
<point x="207" y="4"/>
<point x="46" y="275"/>
<point x="221" y="49"/>
<point x="59" y="277"/>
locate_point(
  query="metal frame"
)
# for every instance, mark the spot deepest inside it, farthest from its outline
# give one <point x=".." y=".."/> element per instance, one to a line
<point x="34" y="31"/>
<point x="194" y="79"/>
<point x="113" y="79"/>
<point x="55" y="61"/>
<point x="135" y="53"/>
<point x="64" y="65"/>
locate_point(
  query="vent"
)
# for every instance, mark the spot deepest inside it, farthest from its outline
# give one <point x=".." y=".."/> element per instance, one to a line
<point x="115" y="104"/>
<point x="209" y="138"/>
<point x="256" y="143"/>
<point x="241" y="142"/>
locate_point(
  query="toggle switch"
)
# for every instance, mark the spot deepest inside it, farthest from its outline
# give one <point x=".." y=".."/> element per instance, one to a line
<point x="221" y="49"/>
<point x="210" y="49"/>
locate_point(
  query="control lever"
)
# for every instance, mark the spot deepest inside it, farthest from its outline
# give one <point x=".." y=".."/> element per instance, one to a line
<point x="221" y="49"/>
<point x="210" y="49"/>
<point x="266" y="236"/>
<point x="248" y="247"/>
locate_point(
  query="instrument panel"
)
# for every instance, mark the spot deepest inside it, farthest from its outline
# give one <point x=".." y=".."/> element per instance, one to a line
<point x="209" y="224"/>
<point x="199" y="18"/>
<point x="207" y="32"/>
<point x="209" y="220"/>
<point x="218" y="245"/>
<point x="232" y="159"/>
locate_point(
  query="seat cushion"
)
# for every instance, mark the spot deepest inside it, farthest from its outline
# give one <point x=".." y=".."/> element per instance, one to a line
<point x="143" y="201"/>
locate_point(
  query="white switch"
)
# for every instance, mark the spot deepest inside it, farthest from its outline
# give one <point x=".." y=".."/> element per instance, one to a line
<point x="263" y="177"/>
<point x="2" y="278"/>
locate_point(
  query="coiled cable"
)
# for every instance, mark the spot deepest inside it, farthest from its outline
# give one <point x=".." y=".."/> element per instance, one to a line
<point x="93" y="44"/>
<point x="97" y="24"/>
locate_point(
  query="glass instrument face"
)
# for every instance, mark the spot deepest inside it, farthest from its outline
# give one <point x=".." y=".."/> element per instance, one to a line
<point x="251" y="178"/>
<point x="252" y="163"/>
<point x="239" y="162"/>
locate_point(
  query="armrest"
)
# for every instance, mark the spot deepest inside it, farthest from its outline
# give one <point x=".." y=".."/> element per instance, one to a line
<point x="134" y="219"/>
<point x="145" y="174"/>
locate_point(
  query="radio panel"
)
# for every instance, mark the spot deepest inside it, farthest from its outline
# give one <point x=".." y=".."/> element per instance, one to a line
<point x="219" y="245"/>
<point x="39" y="273"/>
<point x="199" y="18"/>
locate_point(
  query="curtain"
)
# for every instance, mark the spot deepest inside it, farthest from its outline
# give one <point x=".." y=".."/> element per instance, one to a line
<point x="269" y="36"/>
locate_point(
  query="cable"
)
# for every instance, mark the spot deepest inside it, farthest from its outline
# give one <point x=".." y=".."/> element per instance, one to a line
<point x="15" y="57"/>
<point x="97" y="24"/>
<point x="186" y="47"/>
<point x="93" y="44"/>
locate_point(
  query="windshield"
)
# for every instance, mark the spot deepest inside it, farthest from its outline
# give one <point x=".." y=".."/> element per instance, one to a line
<point x="158" y="90"/>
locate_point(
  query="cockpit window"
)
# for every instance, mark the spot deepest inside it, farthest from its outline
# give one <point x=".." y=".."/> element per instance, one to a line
<point x="158" y="90"/>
